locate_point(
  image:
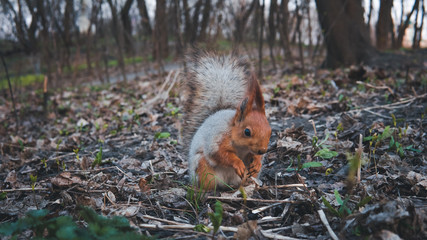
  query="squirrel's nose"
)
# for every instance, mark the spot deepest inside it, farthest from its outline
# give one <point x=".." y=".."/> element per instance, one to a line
<point x="262" y="151"/>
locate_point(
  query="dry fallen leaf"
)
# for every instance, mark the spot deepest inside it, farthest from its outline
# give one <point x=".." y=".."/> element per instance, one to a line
<point x="143" y="185"/>
<point x="246" y="230"/>
<point x="65" y="179"/>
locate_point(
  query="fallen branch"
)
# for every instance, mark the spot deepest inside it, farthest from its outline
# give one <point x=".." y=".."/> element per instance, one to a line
<point x="391" y="105"/>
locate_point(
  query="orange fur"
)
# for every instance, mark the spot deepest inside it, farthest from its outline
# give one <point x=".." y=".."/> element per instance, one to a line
<point x="206" y="175"/>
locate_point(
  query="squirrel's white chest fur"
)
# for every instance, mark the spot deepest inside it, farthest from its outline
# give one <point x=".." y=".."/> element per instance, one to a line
<point x="206" y="142"/>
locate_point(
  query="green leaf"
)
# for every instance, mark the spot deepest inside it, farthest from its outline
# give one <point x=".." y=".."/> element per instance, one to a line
<point x="325" y="139"/>
<point x="394" y="119"/>
<point x="368" y="138"/>
<point x="201" y="228"/>
<point x="392" y="142"/>
<point x="338" y="197"/>
<point x="3" y="195"/>
<point x="410" y="148"/>
<point x="344" y="207"/>
<point x="162" y="135"/>
<point x="364" y="201"/>
<point x="312" y="164"/>
<point x="329" y="206"/>
<point x="216" y="217"/>
<point x="340" y="127"/>
<point x="386" y="133"/>
<point x="326" y="153"/>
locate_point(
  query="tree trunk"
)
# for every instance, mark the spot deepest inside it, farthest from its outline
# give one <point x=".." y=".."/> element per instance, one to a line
<point x="160" y="37"/>
<point x="240" y="22"/>
<point x="176" y="19"/>
<point x="404" y="25"/>
<point x="418" y="28"/>
<point x="118" y="35"/>
<point x="309" y="28"/>
<point x="298" y="32"/>
<point x="187" y="26"/>
<point x="282" y="25"/>
<point x="25" y="36"/>
<point x="195" y="22"/>
<point x="207" y="8"/>
<point x="145" y="19"/>
<point x="127" y="26"/>
<point x="345" y="33"/>
<point x="272" y="30"/>
<point x="45" y="39"/>
<point x="383" y="25"/>
<point x="261" y="37"/>
<point x="368" y="23"/>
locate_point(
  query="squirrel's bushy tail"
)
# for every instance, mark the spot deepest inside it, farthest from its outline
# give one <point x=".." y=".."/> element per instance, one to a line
<point x="212" y="83"/>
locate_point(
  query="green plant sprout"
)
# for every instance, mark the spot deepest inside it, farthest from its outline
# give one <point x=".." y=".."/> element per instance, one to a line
<point x="58" y="143"/>
<point x="21" y="145"/>
<point x="33" y="180"/>
<point x="3" y="195"/>
<point x="76" y="151"/>
<point x="162" y="135"/>
<point x="300" y="166"/>
<point x="344" y="210"/>
<point x="216" y="217"/>
<point x="44" y="162"/>
<point x="98" y="158"/>
<point x="324" y="151"/>
<point x="172" y="109"/>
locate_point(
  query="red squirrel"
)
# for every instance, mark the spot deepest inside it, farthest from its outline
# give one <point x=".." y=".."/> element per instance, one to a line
<point x="225" y="127"/>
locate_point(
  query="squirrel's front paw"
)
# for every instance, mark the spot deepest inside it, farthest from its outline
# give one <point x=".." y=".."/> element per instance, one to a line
<point x="240" y="168"/>
<point x="255" y="167"/>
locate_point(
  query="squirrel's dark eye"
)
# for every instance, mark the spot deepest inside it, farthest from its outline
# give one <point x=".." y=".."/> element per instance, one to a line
<point x="247" y="132"/>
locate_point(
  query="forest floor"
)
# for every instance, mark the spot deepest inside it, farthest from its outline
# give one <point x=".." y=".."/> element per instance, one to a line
<point x="116" y="148"/>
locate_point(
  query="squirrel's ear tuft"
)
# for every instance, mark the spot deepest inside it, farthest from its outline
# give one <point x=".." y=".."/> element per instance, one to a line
<point x="242" y="110"/>
<point x="255" y="95"/>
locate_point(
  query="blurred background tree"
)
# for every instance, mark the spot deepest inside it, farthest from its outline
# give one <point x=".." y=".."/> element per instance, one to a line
<point x="74" y="41"/>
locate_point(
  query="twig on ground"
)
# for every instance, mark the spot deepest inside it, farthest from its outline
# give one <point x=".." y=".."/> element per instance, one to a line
<point x="24" y="189"/>
<point x="285" y="228"/>
<point x="161" y="220"/>
<point x="284" y="186"/>
<point x="261" y="209"/>
<point x="164" y="94"/>
<point x="376" y="87"/>
<point x="326" y="223"/>
<point x="377" y="114"/>
<point x="251" y="200"/>
<point x="391" y="105"/>
<point x="276" y="236"/>
<point x="314" y="126"/>
<point x="359" y="158"/>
